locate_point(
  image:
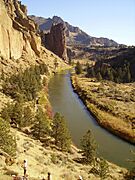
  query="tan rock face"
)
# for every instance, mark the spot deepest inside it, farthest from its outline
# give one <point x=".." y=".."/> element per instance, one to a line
<point x="17" y="31"/>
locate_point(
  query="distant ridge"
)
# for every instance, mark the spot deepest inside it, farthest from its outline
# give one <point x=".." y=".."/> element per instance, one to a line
<point x="74" y="35"/>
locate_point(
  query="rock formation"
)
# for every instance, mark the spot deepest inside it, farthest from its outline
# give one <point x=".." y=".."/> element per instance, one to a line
<point x="17" y="31"/>
<point x="20" y="42"/>
<point x="55" y="40"/>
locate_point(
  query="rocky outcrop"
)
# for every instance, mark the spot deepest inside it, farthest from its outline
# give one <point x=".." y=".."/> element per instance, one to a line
<point x="55" y="40"/>
<point x="17" y="31"/>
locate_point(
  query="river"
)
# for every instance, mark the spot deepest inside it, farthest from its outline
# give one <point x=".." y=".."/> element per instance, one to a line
<point x="79" y="120"/>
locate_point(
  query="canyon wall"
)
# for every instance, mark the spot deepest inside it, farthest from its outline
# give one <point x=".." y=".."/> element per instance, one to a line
<point x="17" y="32"/>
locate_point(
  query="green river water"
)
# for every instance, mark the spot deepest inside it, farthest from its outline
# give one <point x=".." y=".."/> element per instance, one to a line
<point x="79" y="120"/>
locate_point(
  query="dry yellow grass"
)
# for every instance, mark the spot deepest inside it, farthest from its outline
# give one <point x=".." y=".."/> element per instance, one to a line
<point x="112" y="104"/>
<point x="42" y="160"/>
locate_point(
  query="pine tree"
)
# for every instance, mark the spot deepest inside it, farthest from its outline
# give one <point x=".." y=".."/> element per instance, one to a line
<point x="5" y="115"/>
<point x="78" y="68"/>
<point x="26" y="83"/>
<point x="56" y="63"/>
<point x="103" y="70"/>
<point x="88" y="146"/>
<point x="128" y="74"/>
<point x="103" y="169"/>
<point x="44" y="81"/>
<point x="2" y="75"/>
<point x="110" y="74"/>
<point x="119" y="74"/>
<point x="61" y="133"/>
<point x="92" y="72"/>
<point x="87" y="66"/>
<point x="27" y="117"/>
<point x="17" y="112"/>
<point x="41" y="127"/>
<point x="99" y="77"/>
<point x="7" y="140"/>
<point x="7" y="112"/>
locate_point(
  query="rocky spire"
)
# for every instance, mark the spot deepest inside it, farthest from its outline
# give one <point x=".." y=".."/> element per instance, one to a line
<point x="55" y="40"/>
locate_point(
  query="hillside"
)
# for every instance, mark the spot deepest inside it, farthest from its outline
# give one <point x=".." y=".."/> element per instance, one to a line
<point x="118" y="68"/>
<point x="74" y="35"/>
<point x="41" y="160"/>
<point x="94" y="53"/>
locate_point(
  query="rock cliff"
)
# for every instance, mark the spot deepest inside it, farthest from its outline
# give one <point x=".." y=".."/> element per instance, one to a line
<point x="55" y="40"/>
<point x="20" y="42"/>
<point x="17" y="31"/>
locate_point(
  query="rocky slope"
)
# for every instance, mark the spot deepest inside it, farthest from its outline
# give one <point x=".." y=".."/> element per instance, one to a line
<point x="42" y="160"/>
<point x="75" y="36"/>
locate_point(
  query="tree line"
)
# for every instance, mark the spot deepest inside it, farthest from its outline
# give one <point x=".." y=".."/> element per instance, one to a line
<point x="41" y="127"/>
<point x="119" y="69"/>
<point x="107" y="72"/>
<point x="25" y="84"/>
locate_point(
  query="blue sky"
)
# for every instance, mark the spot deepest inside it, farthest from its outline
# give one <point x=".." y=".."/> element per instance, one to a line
<point x="114" y="19"/>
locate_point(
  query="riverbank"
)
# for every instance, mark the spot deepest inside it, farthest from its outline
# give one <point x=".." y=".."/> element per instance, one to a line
<point x="112" y="111"/>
